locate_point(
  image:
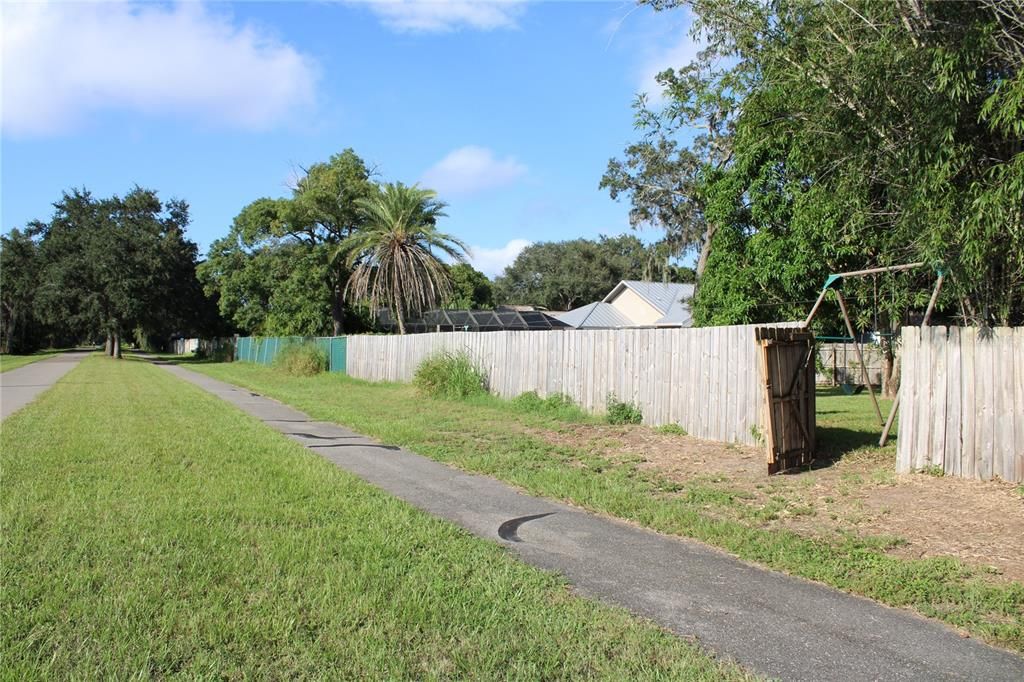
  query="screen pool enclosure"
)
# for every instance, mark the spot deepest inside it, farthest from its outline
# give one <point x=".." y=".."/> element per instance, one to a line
<point x="476" y="321"/>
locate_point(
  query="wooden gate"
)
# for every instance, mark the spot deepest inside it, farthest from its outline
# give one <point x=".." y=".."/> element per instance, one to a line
<point x="787" y="365"/>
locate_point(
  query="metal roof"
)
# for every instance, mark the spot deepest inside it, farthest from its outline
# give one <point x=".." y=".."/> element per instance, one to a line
<point x="599" y="315"/>
<point x="664" y="296"/>
<point x="670" y="299"/>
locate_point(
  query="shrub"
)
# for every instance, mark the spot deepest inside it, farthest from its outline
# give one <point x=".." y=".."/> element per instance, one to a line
<point x="620" y="412"/>
<point x="529" y="402"/>
<point x="301" y="359"/>
<point x="558" y="405"/>
<point x="671" y="430"/>
<point x="449" y="375"/>
<point x="559" y="401"/>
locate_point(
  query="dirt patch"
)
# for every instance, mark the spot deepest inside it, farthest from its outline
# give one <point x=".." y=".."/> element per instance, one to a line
<point x="979" y="522"/>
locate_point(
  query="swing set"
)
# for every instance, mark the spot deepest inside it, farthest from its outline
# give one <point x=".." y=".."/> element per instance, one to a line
<point x="835" y="278"/>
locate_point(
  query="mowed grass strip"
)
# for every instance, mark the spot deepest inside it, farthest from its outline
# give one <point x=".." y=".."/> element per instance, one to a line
<point x="151" y="530"/>
<point x="475" y="435"/>
<point x="9" y="362"/>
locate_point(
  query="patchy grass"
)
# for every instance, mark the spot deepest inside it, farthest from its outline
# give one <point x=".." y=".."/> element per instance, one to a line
<point x="557" y="406"/>
<point x="497" y="438"/>
<point x="9" y="362"/>
<point x="150" y="530"/>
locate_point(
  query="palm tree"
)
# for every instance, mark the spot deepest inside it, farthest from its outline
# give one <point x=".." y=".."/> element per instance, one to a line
<point x="393" y="254"/>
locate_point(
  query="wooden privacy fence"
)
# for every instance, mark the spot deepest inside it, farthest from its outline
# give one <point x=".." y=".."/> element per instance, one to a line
<point x="837" y="364"/>
<point x="707" y="380"/>
<point x="962" y="402"/>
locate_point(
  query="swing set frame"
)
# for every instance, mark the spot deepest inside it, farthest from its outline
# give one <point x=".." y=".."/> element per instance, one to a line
<point x="828" y="286"/>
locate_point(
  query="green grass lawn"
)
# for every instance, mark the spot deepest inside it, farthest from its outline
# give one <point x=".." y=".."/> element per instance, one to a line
<point x="848" y="423"/>
<point x="150" y="530"/>
<point x="8" y="362"/>
<point x="476" y="435"/>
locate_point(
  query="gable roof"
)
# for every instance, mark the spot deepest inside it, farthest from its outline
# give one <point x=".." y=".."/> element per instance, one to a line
<point x="671" y="300"/>
<point x="663" y="296"/>
<point x="599" y="315"/>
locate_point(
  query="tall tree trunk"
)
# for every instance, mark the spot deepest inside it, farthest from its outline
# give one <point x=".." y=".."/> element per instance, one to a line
<point x="399" y="316"/>
<point x="108" y="348"/>
<point x="890" y="367"/>
<point x="337" y="312"/>
<point x="9" y="331"/>
<point x="117" y="346"/>
<point x="890" y="372"/>
<point x="705" y="252"/>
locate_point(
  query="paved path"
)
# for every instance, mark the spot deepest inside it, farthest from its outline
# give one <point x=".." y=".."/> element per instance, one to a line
<point x="774" y="624"/>
<point x="19" y="387"/>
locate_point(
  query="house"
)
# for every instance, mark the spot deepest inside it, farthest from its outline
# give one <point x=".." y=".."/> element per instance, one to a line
<point x="635" y="304"/>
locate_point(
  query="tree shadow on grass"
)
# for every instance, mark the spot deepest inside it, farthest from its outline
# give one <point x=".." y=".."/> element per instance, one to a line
<point x="173" y="359"/>
<point x="835" y="442"/>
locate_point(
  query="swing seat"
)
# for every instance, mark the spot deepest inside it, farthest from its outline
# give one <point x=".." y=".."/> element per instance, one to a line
<point x="852" y="389"/>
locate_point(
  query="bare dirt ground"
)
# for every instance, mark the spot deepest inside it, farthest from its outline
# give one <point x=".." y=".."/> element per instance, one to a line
<point x="978" y="522"/>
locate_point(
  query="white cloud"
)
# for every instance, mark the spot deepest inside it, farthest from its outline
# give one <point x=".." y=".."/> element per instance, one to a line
<point x="676" y="55"/>
<point x="492" y="262"/>
<point x="471" y="169"/>
<point x="64" y="61"/>
<point x="439" y="16"/>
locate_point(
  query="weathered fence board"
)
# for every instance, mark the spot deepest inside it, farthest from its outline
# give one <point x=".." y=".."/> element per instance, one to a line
<point x="962" y="402"/>
<point x="707" y="380"/>
<point x="837" y="363"/>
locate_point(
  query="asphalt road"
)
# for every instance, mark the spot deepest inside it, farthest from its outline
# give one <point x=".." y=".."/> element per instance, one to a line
<point x="19" y="387"/>
<point x="773" y="624"/>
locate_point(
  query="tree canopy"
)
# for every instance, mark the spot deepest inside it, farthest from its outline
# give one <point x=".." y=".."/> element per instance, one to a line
<point x="21" y="266"/>
<point x="109" y="267"/>
<point x="273" y="272"/>
<point x="393" y="255"/>
<point x="471" y="289"/>
<point x="840" y="136"/>
<point x="566" y="275"/>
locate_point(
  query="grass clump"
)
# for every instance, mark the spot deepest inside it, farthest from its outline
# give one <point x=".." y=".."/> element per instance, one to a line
<point x="671" y="430"/>
<point x="450" y="375"/>
<point x="301" y="360"/>
<point x="231" y="552"/>
<point x="620" y="412"/>
<point x="557" y="405"/>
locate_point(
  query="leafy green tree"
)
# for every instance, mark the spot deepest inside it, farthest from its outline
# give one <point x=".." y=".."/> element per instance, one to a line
<point x="565" y="275"/>
<point x="266" y="283"/>
<point x="20" y="274"/>
<point x="324" y="211"/>
<point x="273" y="273"/>
<point x="115" y="265"/>
<point x="393" y="255"/>
<point x="471" y="289"/>
<point x="854" y="134"/>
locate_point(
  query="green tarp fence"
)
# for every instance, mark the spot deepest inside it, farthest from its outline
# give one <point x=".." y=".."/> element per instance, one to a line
<point x="263" y="349"/>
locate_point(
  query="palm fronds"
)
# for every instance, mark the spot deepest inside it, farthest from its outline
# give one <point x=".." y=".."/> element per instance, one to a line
<point x="394" y="257"/>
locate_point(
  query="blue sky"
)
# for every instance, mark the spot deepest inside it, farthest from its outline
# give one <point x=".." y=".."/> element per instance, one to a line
<point x="509" y="109"/>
